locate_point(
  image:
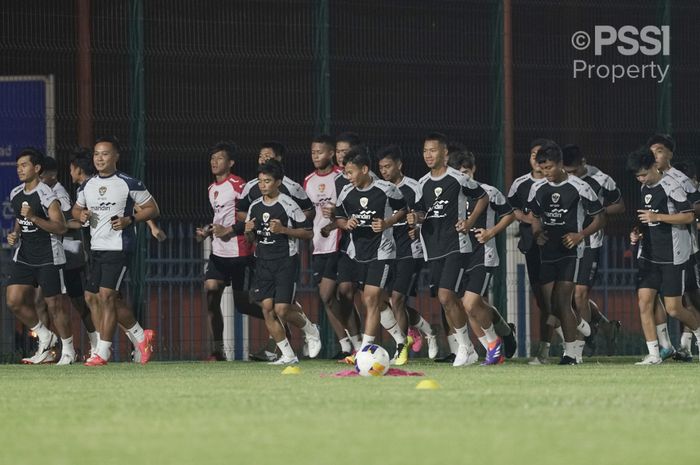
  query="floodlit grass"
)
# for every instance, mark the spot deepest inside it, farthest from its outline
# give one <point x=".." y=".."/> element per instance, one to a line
<point x="605" y="411"/>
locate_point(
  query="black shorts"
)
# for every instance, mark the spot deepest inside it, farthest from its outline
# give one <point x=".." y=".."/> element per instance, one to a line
<point x="588" y="268"/>
<point x="533" y="262"/>
<point x="75" y="282"/>
<point x="477" y="280"/>
<point x="276" y="279"/>
<point x="447" y="273"/>
<point x="107" y="269"/>
<point x="692" y="275"/>
<point x="349" y="271"/>
<point x="48" y="277"/>
<point x="377" y="273"/>
<point x="325" y="265"/>
<point x="670" y="279"/>
<point x="233" y="271"/>
<point x="405" y="279"/>
<point x="565" y="269"/>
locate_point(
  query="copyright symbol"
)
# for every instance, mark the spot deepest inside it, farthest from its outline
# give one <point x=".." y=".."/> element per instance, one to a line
<point x="580" y="40"/>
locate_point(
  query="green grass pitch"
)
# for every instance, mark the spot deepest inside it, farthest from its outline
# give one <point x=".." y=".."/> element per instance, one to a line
<point x="606" y="411"/>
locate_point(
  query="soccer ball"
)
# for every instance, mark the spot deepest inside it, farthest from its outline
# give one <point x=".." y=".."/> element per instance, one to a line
<point x="372" y="360"/>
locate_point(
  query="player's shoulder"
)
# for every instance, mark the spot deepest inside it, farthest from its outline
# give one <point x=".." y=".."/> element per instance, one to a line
<point x="131" y="182"/>
<point x="287" y="201"/>
<point x="345" y="191"/>
<point x="257" y="202"/>
<point x="44" y="190"/>
<point x="670" y="182"/>
<point x="16" y="190"/>
<point x="425" y="178"/>
<point x="521" y="179"/>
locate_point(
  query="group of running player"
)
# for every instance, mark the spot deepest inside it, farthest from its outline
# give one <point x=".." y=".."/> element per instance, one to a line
<point x="371" y="236"/>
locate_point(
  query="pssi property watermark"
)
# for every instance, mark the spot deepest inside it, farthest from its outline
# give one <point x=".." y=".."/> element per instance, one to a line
<point x="627" y="41"/>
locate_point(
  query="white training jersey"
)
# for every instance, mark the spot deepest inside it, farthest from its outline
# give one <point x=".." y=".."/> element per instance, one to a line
<point x="321" y="191"/>
<point x="105" y="197"/>
<point x="224" y="198"/>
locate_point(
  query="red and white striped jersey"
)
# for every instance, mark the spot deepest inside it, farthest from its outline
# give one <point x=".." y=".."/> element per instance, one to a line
<point x="321" y="191"/>
<point x="224" y="197"/>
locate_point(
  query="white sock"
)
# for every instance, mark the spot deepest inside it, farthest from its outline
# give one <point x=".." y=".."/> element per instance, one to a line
<point x="452" y="342"/>
<point x="355" y="341"/>
<point x="653" y="348"/>
<point x="584" y="328"/>
<point x="104" y="349"/>
<point x="367" y="340"/>
<point x="579" y="349"/>
<point x="309" y="328"/>
<point x="286" y="349"/>
<point x="345" y="344"/>
<point x="132" y="338"/>
<point x="386" y="318"/>
<point x="67" y="346"/>
<point x="137" y="332"/>
<point x="560" y="332"/>
<point x="570" y="349"/>
<point x="462" y="335"/>
<point x="41" y="331"/>
<point x="544" y="349"/>
<point x="93" y="337"/>
<point x="490" y="334"/>
<point x="697" y="336"/>
<point x="424" y="327"/>
<point x="484" y="342"/>
<point x="662" y="334"/>
<point x="686" y="341"/>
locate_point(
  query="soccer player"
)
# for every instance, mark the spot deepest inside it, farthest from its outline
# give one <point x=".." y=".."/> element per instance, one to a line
<point x="368" y="209"/>
<point x="611" y="198"/>
<point x="107" y="201"/>
<point x="320" y="187"/>
<point x="494" y="332"/>
<point x="276" y="223"/>
<point x="665" y="247"/>
<point x="231" y="257"/>
<point x="38" y="259"/>
<point x="409" y="257"/>
<point x="559" y="207"/>
<point x="441" y="213"/>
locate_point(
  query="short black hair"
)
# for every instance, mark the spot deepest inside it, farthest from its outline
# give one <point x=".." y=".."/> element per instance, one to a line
<point x="324" y="139"/>
<point x="455" y="146"/>
<point x="35" y="156"/>
<point x="688" y="168"/>
<point x="228" y="147"/>
<point x="277" y="147"/>
<point x="437" y="136"/>
<point x="392" y="151"/>
<point x="536" y="142"/>
<point x="461" y="159"/>
<point x="82" y="158"/>
<point x="663" y="139"/>
<point x="571" y="155"/>
<point x="641" y="159"/>
<point x="549" y="151"/>
<point x="358" y="155"/>
<point x="352" y="138"/>
<point x="112" y="140"/>
<point x="272" y="168"/>
<point x="50" y="164"/>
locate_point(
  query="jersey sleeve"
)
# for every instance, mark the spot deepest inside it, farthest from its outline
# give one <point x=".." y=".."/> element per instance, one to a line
<point x="590" y="201"/>
<point x="300" y="197"/>
<point x="499" y="204"/>
<point x="297" y="217"/>
<point x="340" y="211"/>
<point x="514" y="198"/>
<point x="471" y="188"/>
<point x="139" y="193"/>
<point x="396" y="198"/>
<point x="611" y="193"/>
<point x="679" y="198"/>
<point x="533" y="203"/>
<point x="47" y="197"/>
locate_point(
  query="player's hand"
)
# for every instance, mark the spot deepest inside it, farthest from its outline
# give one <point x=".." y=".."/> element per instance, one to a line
<point x="635" y="236"/>
<point x="647" y="216"/>
<point x="379" y="225"/>
<point x="158" y="234"/>
<point x="202" y="233"/>
<point x="84" y="215"/>
<point x="413" y="233"/>
<point x="571" y="240"/>
<point x="461" y="226"/>
<point x="220" y="231"/>
<point x="326" y="230"/>
<point x="276" y="227"/>
<point x="328" y="211"/>
<point x="411" y="218"/>
<point x="483" y="235"/>
<point x="541" y="238"/>
<point x="250" y="225"/>
<point x="26" y="211"/>
<point x="12" y="238"/>
<point x="351" y="224"/>
<point x="120" y="222"/>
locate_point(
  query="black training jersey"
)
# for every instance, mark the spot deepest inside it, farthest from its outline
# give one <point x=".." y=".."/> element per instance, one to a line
<point x="518" y="196"/>
<point x="405" y="247"/>
<point x="487" y="254"/>
<point x="379" y="200"/>
<point x="275" y="246"/>
<point x="563" y="208"/>
<point x="251" y="192"/>
<point x="691" y="192"/>
<point x="608" y="193"/>
<point x="36" y="246"/>
<point x="444" y="200"/>
<point x="662" y="242"/>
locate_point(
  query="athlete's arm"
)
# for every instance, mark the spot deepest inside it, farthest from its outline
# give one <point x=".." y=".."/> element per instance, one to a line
<point x="571" y="240"/>
<point x="479" y="208"/>
<point x="485" y="235"/>
<point x="276" y="227"/>
<point x="55" y="224"/>
<point x="14" y="234"/>
<point x="521" y="216"/>
<point x="648" y="216"/>
<point x="616" y="208"/>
